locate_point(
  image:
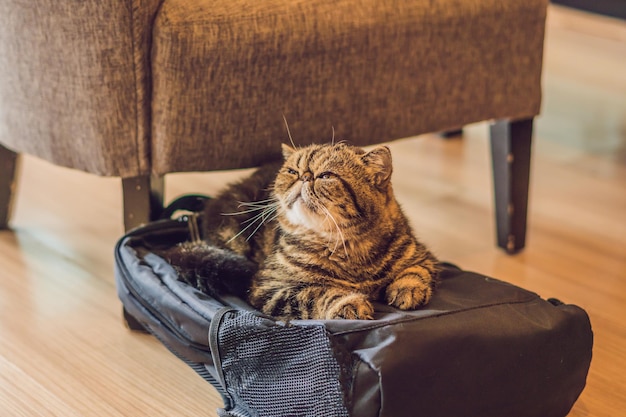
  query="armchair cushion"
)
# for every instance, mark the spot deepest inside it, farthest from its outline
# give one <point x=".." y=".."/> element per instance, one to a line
<point x="225" y="71"/>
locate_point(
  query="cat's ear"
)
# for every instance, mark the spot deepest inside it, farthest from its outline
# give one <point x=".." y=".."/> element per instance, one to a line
<point x="379" y="159"/>
<point x="287" y="151"/>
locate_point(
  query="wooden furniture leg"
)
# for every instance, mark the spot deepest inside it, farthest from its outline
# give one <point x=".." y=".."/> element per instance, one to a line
<point x="8" y="179"/>
<point x="143" y="202"/>
<point x="143" y="199"/>
<point x="510" y="152"/>
<point x="454" y="133"/>
<point x="132" y="323"/>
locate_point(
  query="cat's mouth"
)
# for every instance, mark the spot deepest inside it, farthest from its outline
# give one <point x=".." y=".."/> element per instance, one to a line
<point x="304" y="204"/>
<point x="303" y="210"/>
<point x="303" y="196"/>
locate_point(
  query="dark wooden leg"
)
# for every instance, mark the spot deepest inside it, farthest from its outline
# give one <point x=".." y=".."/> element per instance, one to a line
<point x="132" y="323"/>
<point x="454" y="133"/>
<point x="8" y="180"/>
<point x="510" y="153"/>
<point x="143" y="200"/>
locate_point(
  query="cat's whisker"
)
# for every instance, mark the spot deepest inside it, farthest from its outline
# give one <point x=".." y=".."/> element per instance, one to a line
<point x="242" y="231"/>
<point x="265" y="217"/>
<point x="260" y="218"/>
<point x="237" y="213"/>
<point x="289" y="133"/>
<point x="275" y="216"/>
<point x="254" y="231"/>
<point x="331" y="233"/>
<point x="256" y="203"/>
<point x="332" y="140"/>
<point x="256" y="206"/>
<point x="339" y="238"/>
<point x="343" y="240"/>
<point x="272" y="212"/>
<point x="262" y="215"/>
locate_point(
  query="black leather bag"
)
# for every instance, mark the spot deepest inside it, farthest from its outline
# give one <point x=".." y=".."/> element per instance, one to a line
<point x="481" y="347"/>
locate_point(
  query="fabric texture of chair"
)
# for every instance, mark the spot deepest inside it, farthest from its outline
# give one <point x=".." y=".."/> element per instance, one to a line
<point x="75" y="82"/>
<point x="141" y="88"/>
<point x="226" y="71"/>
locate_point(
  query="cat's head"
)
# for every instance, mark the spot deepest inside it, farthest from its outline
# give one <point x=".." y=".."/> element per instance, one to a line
<point x="330" y="187"/>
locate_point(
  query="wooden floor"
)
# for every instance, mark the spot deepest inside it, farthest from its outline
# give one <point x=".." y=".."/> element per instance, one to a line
<point x="64" y="350"/>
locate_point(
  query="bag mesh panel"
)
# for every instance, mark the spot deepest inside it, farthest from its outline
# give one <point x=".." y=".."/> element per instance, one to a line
<point x="279" y="371"/>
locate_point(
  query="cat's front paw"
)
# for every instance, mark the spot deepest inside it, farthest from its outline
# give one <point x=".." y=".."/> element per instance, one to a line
<point x="408" y="292"/>
<point x="351" y="307"/>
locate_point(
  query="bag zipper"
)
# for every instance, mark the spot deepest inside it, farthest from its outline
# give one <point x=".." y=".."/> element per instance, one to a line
<point x="158" y="225"/>
<point x="164" y="225"/>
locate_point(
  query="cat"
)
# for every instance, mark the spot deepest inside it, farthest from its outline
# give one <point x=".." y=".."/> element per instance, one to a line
<point x="323" y="236"/>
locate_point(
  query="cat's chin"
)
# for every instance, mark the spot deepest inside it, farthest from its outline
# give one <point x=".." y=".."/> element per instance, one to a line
<point x="300" y="215"/>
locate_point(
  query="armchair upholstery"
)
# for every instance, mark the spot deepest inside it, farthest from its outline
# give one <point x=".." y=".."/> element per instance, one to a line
<point x="75" y="82"/>
<point x="225" y="71"/>
<point x="374" y="70"/>
<point x="141" y="88"/>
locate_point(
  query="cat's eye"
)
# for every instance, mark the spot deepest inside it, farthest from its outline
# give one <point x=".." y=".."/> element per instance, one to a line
<point x="326" y="175"/>
<point x="292" y="171"/>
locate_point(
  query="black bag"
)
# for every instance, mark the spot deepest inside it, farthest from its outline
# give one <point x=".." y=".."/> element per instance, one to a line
<point x="481" y="347"/>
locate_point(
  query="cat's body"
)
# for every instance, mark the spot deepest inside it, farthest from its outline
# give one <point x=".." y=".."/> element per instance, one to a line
<point x="327" y="234"/>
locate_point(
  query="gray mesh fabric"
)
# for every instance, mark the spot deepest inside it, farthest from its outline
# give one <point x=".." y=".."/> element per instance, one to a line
<point x="272" y="370"/>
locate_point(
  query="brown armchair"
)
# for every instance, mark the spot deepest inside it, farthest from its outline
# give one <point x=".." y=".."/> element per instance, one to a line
<point x="138" y="89"/>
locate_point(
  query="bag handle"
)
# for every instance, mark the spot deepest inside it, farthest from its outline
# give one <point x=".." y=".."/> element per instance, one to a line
<point x="189" y="202"/>
<point x="213" y="335"/>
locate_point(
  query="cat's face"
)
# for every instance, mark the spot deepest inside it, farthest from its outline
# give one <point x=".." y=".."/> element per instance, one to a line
<point x="328" y="187"/>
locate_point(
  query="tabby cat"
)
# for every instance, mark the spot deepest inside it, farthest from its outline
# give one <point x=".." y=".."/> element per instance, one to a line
<point x="326" y="233"/>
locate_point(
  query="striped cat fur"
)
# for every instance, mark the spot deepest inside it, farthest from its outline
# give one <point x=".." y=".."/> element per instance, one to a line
<point x="327" y="234"/>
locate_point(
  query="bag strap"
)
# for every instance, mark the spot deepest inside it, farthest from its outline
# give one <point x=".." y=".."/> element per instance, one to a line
<point x="213" y="335"/>
<point x="189" y="202"/>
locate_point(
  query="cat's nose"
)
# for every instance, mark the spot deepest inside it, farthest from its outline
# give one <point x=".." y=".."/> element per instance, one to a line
<point x="307" y="176"/>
